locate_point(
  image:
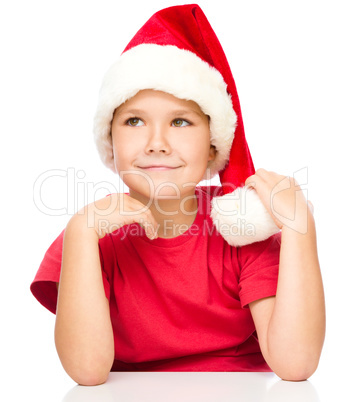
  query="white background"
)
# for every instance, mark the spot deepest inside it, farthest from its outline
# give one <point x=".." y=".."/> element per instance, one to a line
<point x="285" y="58"/>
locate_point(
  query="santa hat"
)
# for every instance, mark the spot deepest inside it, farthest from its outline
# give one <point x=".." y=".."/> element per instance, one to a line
<point x="176" y="51"/>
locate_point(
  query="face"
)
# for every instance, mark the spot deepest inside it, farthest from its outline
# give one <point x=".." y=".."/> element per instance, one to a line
<point x="161" y="144"/>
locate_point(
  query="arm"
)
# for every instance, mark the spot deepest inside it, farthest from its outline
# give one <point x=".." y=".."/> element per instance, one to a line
<point x="83" y="332"/>
<point x="291" y="326"/>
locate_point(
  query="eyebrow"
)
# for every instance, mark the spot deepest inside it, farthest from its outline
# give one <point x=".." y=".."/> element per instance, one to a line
<point x="176" y="112"/>
<point x="184" y="112"/>
<point x="132" y="111"/>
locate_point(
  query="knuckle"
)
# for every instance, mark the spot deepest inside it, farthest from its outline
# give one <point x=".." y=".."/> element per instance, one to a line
<point x="143" y="217"/>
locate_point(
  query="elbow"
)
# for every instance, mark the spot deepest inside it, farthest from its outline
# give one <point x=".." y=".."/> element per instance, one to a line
<point x="90" y="381"/>
<point x="295" y="376"/>
<point x="89" y="377"/>
<point x="88" y="369"/>
<point x="90" y="372"/>
<point x="296" y="372"/>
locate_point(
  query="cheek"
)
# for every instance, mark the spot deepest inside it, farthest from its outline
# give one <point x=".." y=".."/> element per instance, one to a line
<point x="116" y="153"/>
<point x="197" y="150"/>
<point x="123" y="151"/>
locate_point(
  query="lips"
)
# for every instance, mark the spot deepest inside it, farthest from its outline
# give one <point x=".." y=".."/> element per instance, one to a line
<point x="158" y="167"/>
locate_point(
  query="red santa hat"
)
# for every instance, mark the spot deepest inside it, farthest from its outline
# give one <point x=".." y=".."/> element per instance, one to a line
<point x="176" y="51"/>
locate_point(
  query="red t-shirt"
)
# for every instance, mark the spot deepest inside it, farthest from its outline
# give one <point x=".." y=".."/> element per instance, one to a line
<point x="178" y="304"/>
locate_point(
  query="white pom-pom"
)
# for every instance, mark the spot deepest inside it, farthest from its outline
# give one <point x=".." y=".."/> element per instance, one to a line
<point x="241" y="218"/>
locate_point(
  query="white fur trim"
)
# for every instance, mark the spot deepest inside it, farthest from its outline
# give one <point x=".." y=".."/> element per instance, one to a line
<point x="178" y="72"/>
<point x="241" y="218"/>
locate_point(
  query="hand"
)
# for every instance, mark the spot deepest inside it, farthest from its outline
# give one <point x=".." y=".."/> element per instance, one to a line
<point x="116" y="210"/>
<point x="283" y="198"/>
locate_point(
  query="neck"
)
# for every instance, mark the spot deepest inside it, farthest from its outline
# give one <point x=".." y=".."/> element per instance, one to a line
<point x="174" y="216"/>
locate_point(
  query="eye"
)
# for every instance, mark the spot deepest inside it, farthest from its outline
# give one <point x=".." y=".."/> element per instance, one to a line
<point x="180" y="123"/>
<point x="134" y="122"/>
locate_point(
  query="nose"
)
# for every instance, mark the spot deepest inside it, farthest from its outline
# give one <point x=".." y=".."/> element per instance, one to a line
<point x="157" y="141"/>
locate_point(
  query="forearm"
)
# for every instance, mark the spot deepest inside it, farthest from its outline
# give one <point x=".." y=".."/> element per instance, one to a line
<point x="83" y="331"/>
<point x="297" y="325"/>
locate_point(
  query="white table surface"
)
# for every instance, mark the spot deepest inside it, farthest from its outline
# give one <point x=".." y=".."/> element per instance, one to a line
<point x="41" y="378"/>
<point x="199" y="387"/>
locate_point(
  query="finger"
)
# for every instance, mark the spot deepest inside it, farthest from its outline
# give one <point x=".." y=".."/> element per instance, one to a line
<point x="261" y="172"/>
<point x="253" y="180"/>
<point x="311" y="207"/>
<point x="268" y="174"/>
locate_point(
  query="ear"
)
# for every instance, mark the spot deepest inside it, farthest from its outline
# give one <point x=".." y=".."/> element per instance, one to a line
<point x="212" y="153"/>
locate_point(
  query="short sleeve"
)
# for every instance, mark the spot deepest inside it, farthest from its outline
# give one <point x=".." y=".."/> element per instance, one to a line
<point x="259" y="264"/>
<point x="44" y="287"/>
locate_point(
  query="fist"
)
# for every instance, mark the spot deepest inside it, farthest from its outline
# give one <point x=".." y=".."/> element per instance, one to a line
<point x="283" y="198"/>
<point x="116" y="210"/>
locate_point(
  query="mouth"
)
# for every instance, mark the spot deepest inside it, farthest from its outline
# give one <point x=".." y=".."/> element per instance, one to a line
<point x="158" y="167"/>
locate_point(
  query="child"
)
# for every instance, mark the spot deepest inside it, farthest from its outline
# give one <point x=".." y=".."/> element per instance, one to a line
<point x="176" y="277"/>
